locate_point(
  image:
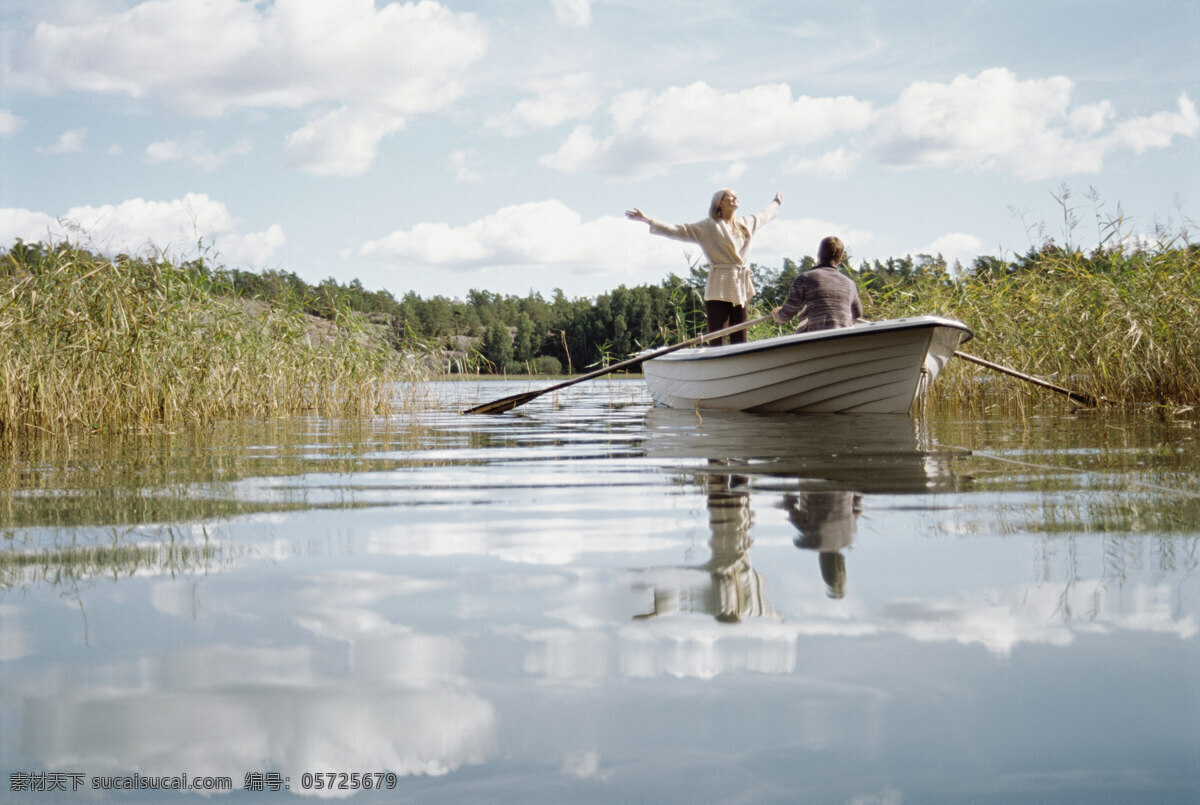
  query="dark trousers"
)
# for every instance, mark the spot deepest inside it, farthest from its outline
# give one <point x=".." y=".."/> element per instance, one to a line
<point x="725" y="314"/>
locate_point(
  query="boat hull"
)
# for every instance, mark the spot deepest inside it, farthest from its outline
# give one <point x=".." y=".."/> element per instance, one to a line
<point x="876" y="367"/>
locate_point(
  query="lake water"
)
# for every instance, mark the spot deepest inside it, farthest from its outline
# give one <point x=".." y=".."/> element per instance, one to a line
<point x="589" y="599"/>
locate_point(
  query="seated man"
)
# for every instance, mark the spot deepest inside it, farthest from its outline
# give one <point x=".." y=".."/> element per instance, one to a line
<point x="827" y="297"/>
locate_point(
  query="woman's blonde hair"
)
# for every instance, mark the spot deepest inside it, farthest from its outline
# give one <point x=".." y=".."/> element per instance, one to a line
<point x="714" y="212"/>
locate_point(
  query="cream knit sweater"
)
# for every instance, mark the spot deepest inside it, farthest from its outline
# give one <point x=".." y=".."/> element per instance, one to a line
<point x="726" y="248"/>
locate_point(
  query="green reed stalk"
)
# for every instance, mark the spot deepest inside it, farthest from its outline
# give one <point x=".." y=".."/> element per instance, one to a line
<point x="126" y="344"/>
<point x="1123" y="325"/>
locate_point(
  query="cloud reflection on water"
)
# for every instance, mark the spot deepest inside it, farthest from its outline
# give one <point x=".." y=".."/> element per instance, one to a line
<point x="499" y="632"/>
<point x="365" y="693"/>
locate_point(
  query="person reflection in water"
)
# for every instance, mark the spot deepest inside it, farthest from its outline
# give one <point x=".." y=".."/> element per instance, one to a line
<point x="735" y="589"/>
<point x="736" y="586"/>
<point x="827" y="522"/>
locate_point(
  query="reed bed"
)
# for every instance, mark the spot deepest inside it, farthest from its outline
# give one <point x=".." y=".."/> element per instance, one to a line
<point x="126" y="344"/>
<point x="1122" y="325"/>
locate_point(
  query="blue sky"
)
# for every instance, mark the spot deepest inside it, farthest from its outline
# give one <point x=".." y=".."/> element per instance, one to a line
<point x="440" y="147"/>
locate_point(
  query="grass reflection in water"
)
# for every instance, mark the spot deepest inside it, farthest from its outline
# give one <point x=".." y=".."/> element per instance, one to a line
<point x="119" y="506"/>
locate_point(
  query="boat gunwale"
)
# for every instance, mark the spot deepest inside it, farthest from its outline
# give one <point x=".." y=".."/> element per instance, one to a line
<point x="777" y="342"/>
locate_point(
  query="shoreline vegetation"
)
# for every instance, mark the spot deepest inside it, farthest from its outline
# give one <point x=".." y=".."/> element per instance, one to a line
<point x="1122" y="325"/>
<point x="117" y="345"/>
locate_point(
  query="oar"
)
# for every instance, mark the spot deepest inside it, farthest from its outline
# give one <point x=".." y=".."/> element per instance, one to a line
<point x="1037" y="381"/>
<point x="508" y="403"/>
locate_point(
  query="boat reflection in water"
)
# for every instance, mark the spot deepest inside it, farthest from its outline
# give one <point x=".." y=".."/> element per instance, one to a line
<point x="817" y="468"/>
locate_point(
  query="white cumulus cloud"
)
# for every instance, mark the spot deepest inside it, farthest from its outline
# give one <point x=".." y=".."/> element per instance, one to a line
<point x="992" y="121"/>
<point x="554" y="101"/>
<point x="652" y="132"/>
<point x="194" y="150"/>
<point x="175" y="228"/>
<point x="31" y="227"/>
<point x="1157" y="130"/>
<point x="534" y="233"/>
<point x="253" y="249"/>
<point x="343" y="142"/>
<point x="958" y="246"/>
<point x="69" y="142"/>
<point x="1092" y="118"/>
<point x="996" y="122"/>
<point x="10" y="123"/>
<point x="207" y="57"/>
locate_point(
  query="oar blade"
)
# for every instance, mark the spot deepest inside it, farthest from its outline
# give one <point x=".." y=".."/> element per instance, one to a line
<point x="1075" y="396"/>
<point x="503" y="404"/>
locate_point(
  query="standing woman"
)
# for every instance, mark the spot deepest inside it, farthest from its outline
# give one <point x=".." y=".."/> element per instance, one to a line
<point x="725" y="240"/>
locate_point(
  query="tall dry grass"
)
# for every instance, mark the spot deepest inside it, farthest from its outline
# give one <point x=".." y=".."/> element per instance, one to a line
<point x="1122" y="324"/>
<point x="113" y="345"/>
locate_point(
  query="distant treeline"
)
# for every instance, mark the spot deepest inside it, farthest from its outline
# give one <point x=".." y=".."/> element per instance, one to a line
<point x="500" y="333"/>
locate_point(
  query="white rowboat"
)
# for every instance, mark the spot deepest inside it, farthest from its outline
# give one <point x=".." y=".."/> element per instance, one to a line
<point x="874" y="367"/>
